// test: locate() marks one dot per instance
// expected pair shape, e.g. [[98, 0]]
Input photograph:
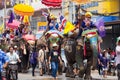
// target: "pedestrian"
[[13, 56], [118, 59], [3, 62], [54, 58], [33, 61], [105, 64], [41, 59], [99, 63]]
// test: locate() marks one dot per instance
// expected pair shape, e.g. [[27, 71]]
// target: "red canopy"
[[52, 3]]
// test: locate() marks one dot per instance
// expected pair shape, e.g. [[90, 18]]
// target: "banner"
[[1, 28], [100, 26], [41, 27]]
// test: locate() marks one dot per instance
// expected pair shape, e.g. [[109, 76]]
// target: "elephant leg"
[[94, 64], [72, 75], [79, 60], [67, 71], [88, 68], [60, 69], [81, 67]]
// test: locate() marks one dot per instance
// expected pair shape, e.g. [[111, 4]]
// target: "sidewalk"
[[96, 76]]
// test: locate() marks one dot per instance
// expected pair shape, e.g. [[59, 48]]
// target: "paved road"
[[28, 76]]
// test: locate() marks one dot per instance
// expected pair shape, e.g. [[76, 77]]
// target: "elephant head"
[[53, 37]]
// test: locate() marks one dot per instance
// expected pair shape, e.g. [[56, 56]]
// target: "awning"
[[52, 3]]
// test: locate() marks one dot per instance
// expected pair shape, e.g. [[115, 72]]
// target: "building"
[[109, 9]]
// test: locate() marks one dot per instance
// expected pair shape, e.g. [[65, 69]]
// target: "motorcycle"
[[12, 70]]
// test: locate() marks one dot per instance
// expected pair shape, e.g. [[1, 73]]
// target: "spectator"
[[99, 63], [54, 57], [33, 60], [41, 59], [105, 64], [12, 55], [118, 59], [3, 62]]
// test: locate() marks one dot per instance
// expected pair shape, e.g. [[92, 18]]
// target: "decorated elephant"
[[54, 36], [70, 44], [88, 51], [24, 49], [85, 48]]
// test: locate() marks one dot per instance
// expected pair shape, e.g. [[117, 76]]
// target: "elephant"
[[24, 50], [70, 51], [53, 36], [77, 51]]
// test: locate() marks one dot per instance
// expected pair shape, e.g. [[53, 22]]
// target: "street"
[[28, 76]]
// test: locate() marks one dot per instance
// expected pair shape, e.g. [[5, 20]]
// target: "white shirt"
[[117, 54], [41, 55], [13, 57]]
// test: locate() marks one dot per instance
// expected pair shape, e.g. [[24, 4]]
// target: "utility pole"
[[4, 20]]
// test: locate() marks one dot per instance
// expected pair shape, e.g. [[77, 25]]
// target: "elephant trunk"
[[94, 45]]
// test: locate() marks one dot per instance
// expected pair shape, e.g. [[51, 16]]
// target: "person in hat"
[[87, 23], [52, 23], [54, 59]]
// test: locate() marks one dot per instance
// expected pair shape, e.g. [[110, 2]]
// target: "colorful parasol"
[[22, 9], [13, 25], [52, 3], [29, 37]]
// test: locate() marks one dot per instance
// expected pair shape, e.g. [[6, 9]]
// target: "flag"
[[63, 22], [26, 19], [100, 26], [2, 28], [21, 18], [45, 14], [11, 17], [66, 25]]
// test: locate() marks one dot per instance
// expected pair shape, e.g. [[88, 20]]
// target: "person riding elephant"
[[86, 23]]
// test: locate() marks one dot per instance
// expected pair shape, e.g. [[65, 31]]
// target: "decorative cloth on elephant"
[[53, 34], [93, 37]]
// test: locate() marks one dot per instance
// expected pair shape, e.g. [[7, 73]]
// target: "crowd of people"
[[107, 59]]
